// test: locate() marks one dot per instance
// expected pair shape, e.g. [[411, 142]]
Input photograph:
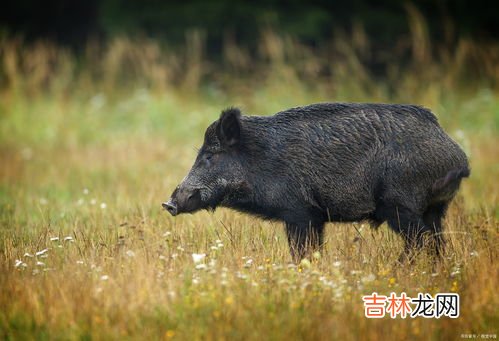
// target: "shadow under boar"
[[329, 162]]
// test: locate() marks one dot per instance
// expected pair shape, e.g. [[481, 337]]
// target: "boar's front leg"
[[304, 238]]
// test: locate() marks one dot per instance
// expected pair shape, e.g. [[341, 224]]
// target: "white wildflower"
[[368, 278], [54, 239], [241, 275], [130, 253], [201, 266], [198, 257], [104, 277], [103, 205], [40, 253]]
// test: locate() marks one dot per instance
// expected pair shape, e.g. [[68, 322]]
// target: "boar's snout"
[[170, 206], [183, 200]]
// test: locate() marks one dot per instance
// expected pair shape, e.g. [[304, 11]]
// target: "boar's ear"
[[229, 127]]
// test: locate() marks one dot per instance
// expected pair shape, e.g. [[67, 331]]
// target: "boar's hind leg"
[[433, 219], [304, 239], [411, 227]]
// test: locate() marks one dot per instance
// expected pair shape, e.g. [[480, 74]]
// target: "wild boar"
[[329, 162]]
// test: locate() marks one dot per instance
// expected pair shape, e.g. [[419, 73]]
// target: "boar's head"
[[217, 175]]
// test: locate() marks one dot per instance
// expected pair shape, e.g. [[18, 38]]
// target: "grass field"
[[87, 155]]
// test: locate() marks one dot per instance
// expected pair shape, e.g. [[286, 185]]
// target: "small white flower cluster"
[[93, 201], [198, 257], [248, 263], [20, 264], [456, 270], [218, 245], [66, 239]]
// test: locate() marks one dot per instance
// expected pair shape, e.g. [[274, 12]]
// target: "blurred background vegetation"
[[231, 34], [312, 22]]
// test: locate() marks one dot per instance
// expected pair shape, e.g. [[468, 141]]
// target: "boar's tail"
[[444, 188]]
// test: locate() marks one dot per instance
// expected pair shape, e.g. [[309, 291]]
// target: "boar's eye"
[[208, 158]]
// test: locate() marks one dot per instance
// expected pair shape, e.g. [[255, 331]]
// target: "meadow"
[[91, 144]]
